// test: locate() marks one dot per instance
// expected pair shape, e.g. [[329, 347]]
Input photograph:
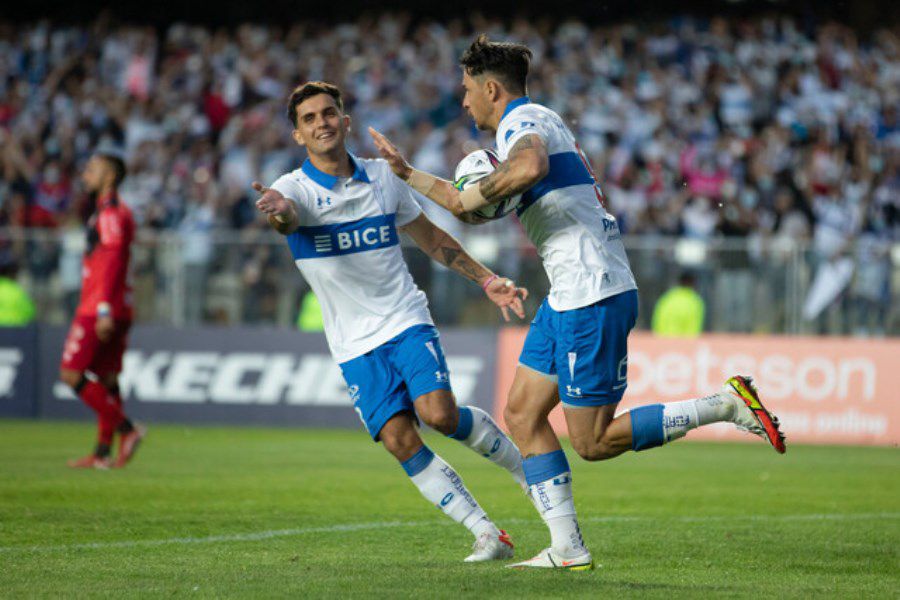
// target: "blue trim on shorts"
[[418, 462], [544, 466]]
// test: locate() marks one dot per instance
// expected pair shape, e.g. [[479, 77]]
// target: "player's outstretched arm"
[[528, 163], [445, 249], [281, 211], [440, 191]]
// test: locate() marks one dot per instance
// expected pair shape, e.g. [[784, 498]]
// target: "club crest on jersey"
[[516, 128]]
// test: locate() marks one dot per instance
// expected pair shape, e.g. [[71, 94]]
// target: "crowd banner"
[[248, 375], [18, 371], [825, 390]]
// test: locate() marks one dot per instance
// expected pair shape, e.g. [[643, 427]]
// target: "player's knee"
[[70, 378], [593, 450], [111, 382], [443, 418], [401, 446], [518, 420]]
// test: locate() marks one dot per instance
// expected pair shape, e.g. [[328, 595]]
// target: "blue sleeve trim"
[[464, 427], [566, 169], [647, 427], [418, 462], [544, 466]]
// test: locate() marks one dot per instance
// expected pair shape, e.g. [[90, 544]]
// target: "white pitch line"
[[279, 533]]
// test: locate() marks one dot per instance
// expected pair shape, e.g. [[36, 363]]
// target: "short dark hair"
[[308, 90], [506, 61], [687, 279], [118, 167]]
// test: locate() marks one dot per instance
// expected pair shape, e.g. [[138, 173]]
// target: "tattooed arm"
[[527, 164], [443, 247]]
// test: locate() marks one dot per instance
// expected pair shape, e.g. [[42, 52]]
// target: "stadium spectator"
[[16, 307], [680, 311], [310, 316], [677, 119]]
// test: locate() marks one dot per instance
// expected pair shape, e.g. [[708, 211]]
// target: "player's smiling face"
[[476, 100], [321, 125]]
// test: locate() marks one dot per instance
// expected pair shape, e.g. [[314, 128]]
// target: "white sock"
[[681, 417], [553, 499], [441, 486], [478, 431]]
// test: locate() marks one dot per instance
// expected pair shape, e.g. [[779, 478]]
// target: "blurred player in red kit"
[[92, 356]]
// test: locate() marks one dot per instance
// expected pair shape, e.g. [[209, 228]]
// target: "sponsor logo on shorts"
[[353, 390], [573, 392]]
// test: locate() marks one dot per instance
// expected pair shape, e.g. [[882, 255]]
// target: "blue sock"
[[544, 466], [464, 426], [647, 427], [417, 463]]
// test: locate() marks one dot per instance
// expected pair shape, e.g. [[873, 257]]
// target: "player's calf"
[[444, 488], [478, 431], [472, 427]]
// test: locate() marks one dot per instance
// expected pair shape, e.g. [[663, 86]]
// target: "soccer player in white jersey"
[[341, 215], [576, 349]]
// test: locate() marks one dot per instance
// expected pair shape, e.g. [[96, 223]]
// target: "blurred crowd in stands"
[[758, 129]]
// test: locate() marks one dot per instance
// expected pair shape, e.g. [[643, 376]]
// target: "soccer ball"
[[473, 168]]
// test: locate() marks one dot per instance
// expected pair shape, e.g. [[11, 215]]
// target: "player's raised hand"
[[504, 293], [389, 152], [281, 211], [271, 202]]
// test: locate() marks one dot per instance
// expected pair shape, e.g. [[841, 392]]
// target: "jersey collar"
[[326, 180], [105, 200], [515, 104]]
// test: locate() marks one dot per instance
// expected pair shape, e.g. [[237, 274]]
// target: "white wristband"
[[421, 181]]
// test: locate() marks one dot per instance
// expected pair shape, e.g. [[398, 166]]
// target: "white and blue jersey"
[[578, 241], [376, 320], [348, 249], [581, 330]]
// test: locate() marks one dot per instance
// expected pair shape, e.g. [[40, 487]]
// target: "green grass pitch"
[[227, 512]]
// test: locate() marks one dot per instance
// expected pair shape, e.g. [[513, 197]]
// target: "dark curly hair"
[[506, 61]]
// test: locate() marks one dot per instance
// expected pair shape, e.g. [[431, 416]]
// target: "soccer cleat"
[[128, 445], [91, 462], [490, 546], [548, 559], [751, 415]]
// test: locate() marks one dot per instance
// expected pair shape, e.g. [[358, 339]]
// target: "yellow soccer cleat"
[[754, 417]]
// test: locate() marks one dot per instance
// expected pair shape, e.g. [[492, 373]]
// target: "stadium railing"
[[229, 277]]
